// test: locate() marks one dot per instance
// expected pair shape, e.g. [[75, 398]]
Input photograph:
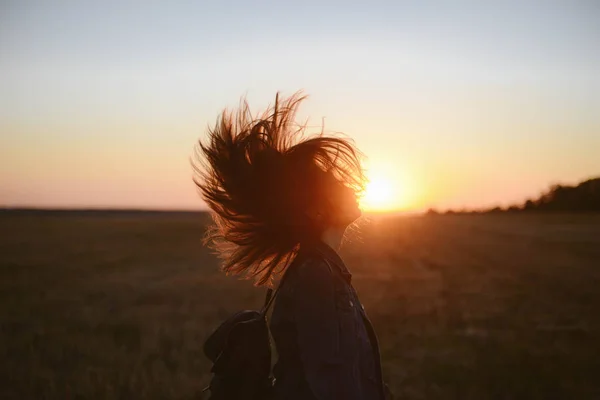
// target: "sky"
[[454, 103]]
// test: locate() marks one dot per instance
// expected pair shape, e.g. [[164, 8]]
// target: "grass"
[[466, 307]]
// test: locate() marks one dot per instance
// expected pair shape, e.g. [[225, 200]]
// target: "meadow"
[[117, 305]]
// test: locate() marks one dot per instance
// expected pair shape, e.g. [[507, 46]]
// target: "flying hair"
[[259, 176]]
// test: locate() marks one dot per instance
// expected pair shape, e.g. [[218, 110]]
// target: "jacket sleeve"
[[328, 377]]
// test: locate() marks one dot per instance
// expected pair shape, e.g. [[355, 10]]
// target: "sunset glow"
[[455, 107], [385, 190], [379, 195]]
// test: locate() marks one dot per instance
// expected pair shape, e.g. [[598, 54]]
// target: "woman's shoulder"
[[310, 273], [312, 266]]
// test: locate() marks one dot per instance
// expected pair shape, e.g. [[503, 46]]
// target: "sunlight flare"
[[385, 191]]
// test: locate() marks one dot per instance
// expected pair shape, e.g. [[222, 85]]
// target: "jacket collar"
[[325, 251]]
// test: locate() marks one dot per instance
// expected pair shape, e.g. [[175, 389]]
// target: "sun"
[[384, 192], [378, 193]]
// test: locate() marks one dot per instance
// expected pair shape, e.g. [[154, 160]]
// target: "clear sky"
[[455, 103]]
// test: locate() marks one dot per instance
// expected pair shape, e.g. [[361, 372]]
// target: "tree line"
[[584, 197]]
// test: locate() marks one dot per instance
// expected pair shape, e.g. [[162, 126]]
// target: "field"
[[466, 307]]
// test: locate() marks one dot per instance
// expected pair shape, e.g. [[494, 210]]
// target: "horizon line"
[[163, 210]]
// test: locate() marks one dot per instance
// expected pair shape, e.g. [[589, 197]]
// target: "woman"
[[281, 204]]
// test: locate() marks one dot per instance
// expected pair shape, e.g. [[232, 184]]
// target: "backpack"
[[240, 350]]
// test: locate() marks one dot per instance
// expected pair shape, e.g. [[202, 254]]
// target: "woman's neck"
[[333, 237]]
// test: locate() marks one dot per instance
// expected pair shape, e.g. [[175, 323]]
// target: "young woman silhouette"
[[281, 203]]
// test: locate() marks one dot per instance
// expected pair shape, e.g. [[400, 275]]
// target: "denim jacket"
[[326, 345]]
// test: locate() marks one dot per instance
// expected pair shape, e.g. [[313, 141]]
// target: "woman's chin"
[[352, 215]]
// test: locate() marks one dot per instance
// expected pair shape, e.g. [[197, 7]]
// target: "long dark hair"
[[260, 176]]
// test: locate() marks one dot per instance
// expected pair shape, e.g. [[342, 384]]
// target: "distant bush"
[[585, 197], [529, 205]]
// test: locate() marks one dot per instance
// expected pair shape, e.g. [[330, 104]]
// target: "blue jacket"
[[326, 345]]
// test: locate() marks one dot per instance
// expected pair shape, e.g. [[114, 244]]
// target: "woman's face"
[[349, 210], [342, 207]]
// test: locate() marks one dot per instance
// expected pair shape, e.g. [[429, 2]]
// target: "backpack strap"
[[268, 300], [272, 294], [270, 297]]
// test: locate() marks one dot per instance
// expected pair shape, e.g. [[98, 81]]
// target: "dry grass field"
[[466, 307]]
